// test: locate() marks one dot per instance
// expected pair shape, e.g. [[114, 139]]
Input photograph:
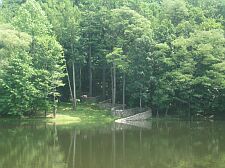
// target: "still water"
[[162, 144]]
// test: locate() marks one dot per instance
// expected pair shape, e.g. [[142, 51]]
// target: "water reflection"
[[167, 144]]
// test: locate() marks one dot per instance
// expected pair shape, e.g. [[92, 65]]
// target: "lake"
[[161, 144]]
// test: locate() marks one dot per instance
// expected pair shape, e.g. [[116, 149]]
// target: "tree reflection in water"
[[169, 144]]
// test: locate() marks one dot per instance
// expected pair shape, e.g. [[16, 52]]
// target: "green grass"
[[84, 114]]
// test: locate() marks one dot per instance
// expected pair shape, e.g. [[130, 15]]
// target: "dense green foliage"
[[32, 62], [171, 53]]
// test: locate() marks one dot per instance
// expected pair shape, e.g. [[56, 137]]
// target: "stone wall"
[[107, 106], [90, 99], [128, 112], [135, 113], [140, 116]]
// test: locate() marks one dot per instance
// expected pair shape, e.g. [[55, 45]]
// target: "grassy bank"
[[85, 114]]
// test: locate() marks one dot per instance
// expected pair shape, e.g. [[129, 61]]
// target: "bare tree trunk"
[[80, 82], [167, 109], [54, 105], [104, 82], [189, 108], [90, 73], [74, 88], [124, 83], [189, 111], [69, 82], [140, 100], [114, 84]]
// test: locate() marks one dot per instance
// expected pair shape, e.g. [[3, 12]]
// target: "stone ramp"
[[130, 117], [137, 117], [128, 112], [137, 120]]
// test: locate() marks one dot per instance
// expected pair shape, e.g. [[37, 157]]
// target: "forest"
[[165, 54]]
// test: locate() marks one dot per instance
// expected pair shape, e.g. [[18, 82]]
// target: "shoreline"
[[84, 114]]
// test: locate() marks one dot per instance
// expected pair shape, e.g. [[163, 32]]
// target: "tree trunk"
[[54, 105], [104, 83], [124, 83], [189, 107], [189, 111], [69, 82], [114, 85], [167, 109], [74, 88], [140, 100], [80, 85], [157, 114], [90, 72]]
